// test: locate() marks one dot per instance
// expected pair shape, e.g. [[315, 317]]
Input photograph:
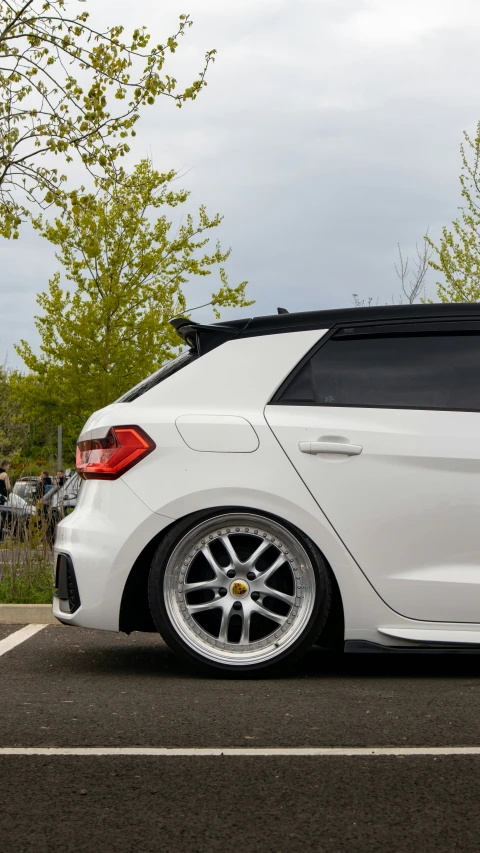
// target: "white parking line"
[[18, 637], [258, 752]]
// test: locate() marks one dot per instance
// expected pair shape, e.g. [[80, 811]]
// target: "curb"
[[27, 614]]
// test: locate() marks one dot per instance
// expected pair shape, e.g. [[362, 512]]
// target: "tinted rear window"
[[164, 372], [435, 371]]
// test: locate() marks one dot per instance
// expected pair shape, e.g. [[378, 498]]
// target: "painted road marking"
[[19, 637], [247, 751]]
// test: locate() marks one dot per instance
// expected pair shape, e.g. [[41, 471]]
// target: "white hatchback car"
[[289, 480]]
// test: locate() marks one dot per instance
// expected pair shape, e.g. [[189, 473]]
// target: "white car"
[[289, 480], [19, 505], [15, 514], [63, 499]]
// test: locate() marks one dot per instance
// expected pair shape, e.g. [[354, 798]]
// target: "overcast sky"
[[329, 132]]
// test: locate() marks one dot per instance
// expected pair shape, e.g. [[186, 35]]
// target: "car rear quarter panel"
[[237, 380]]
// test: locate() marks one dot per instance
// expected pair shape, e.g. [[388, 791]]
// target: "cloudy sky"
[[329, 132]]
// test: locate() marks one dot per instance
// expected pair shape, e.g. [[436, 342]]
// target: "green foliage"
[[459, 250], [110, 329], [27, 436], [26, 568], [68, 89], [26, 572], [28, 582], [13, 430]]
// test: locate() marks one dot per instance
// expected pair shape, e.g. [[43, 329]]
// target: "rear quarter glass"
[[168, 369]]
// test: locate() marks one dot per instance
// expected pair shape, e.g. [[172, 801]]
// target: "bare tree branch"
[[413, 282]]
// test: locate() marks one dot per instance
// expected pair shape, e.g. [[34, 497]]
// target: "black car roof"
[[203, 338]]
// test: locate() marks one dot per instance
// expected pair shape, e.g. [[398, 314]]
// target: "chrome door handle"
[[340, 447]]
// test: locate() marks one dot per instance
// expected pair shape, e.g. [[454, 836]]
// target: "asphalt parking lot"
[[72, 688]]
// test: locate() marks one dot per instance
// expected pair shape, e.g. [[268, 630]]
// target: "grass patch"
[[26, 571], [30, 582]]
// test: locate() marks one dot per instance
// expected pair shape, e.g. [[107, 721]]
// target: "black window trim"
[[360, 329], [159, 376]]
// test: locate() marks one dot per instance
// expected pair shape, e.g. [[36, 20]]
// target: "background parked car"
[[60, 500], [56, 503], [15, 514], [26, 488]]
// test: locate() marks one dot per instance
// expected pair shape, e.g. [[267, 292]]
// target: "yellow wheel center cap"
[[239, 589]]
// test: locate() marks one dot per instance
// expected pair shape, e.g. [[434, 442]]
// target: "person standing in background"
[[44, 485], [60, 478], [5, 486]]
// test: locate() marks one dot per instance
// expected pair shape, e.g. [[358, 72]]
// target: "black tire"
[[162, 617]]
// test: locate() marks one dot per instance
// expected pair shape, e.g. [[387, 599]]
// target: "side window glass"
[[301, 390], [412, 371]]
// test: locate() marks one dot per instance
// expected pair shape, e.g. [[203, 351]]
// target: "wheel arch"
[[135, 611]]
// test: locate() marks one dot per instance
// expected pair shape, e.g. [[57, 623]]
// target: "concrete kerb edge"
[[27, 614]]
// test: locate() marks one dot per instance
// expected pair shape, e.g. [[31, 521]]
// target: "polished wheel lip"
[[290, 627]]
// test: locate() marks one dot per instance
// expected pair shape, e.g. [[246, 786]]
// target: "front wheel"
[[238, 591]]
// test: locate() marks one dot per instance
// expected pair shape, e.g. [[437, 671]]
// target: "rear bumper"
[[100, 542]]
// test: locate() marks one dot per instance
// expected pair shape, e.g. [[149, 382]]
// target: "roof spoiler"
[[205, 338]]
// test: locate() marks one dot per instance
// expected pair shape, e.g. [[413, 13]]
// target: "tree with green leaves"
[[13, 428], [127, 266], [458, 255], [70, 90]]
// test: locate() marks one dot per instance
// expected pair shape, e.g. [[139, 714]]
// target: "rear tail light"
[[108, 458]]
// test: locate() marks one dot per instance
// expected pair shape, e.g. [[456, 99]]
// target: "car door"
[[382, 424]]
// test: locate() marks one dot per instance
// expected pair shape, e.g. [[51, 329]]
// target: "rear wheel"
[[238, 591]]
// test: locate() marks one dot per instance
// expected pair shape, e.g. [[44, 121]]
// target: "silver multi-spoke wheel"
[[239, 589]]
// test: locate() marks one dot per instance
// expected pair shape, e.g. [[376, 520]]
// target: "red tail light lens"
[[108, 458]]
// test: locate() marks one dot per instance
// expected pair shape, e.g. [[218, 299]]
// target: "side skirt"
[[365, 647]]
